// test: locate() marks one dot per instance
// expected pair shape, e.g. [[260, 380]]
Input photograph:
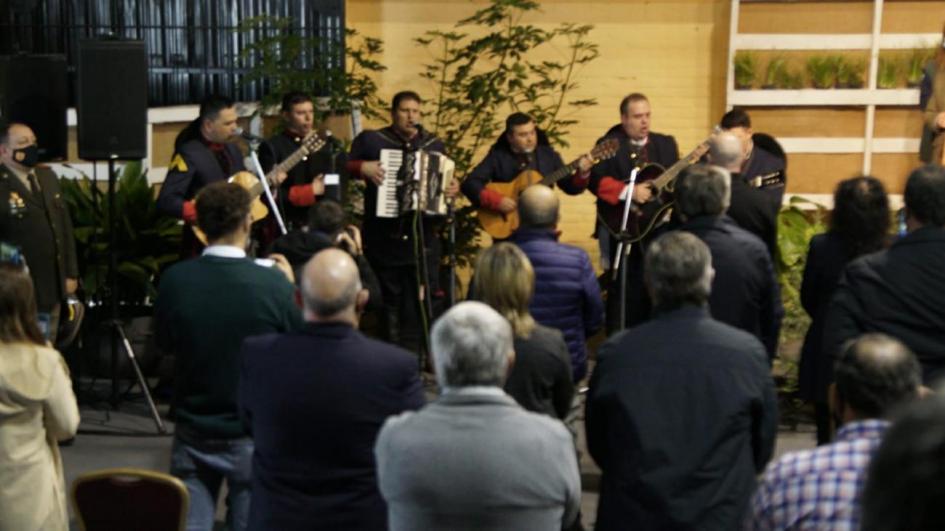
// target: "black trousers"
[[404, 318]]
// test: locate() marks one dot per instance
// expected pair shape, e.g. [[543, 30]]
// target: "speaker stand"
[[114, 324]]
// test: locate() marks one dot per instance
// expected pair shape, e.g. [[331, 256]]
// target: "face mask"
[[27, 156]]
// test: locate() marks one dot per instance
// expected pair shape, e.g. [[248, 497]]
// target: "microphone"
[[246, 135]]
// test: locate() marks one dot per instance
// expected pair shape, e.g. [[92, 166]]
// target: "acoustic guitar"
[[248, 180], [500, 225], [643, 218]]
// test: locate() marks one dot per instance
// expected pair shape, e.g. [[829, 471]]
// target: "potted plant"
[[746, 64], [850, 73], [775, 73], [146, 242], [915, 66], [887, 73], [823, 71]]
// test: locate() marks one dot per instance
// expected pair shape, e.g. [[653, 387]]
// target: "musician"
[[305, 183], [521, 147], [204, 153], [638, 147], [761, 168], [389, 243]]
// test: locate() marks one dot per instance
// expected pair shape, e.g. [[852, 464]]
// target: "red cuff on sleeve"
[[301, 195], [490, 199], [354, 167], [189, 212], [609, 190]]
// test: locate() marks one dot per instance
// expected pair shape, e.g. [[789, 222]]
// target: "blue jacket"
[[567, 296]]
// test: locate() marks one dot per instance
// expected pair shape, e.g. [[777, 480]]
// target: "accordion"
[[413, 181]]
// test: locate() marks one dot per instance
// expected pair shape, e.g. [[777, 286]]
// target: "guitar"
[[643, 218], [248, 180], [500, 225]]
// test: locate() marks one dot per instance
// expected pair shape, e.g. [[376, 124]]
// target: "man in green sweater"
[[205, 308]]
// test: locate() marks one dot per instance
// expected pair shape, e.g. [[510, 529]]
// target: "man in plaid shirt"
[[820, 488]]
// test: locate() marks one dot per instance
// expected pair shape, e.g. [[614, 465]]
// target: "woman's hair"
[[18, 318], [504, 279], [861, 214]]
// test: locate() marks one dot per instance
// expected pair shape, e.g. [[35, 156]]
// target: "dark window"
[[192, 45]]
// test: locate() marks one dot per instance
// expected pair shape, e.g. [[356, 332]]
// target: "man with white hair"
[[474, 459], [314, 402], [754, 209], [681, 412], [745, 292]]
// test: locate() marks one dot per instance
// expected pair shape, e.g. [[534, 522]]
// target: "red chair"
[[130, 498]]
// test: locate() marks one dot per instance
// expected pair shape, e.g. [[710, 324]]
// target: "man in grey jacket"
[[474, 459]]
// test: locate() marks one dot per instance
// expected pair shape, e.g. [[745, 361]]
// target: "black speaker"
[[33, 91], [112, 100]]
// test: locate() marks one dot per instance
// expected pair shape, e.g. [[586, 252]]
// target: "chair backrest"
[[130, 498]]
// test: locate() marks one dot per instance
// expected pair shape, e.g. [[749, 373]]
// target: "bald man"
[[567, 296], [754, 209], [314, 402]]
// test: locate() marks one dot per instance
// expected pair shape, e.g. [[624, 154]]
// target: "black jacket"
[[660, 149], [899, 292], [767, 172], [540, 379], [194, 166], [331, 158], [681, 416], [314, 402], [745, 292], [41, 226], [825, 262], [756, 211], [502, 165], [391, 241]]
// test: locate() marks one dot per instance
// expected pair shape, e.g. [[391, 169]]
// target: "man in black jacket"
[[760, 168], [682, 411], [753, 209], [34, 216], [306, 182], [900, 291], [745, 292], [521, 147], [639, 146], [391, 244]]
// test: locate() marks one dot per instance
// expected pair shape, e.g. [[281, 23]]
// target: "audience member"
[[904, 488], [314, 401], [540, 379], [205, 308], [752, 208], [567, 295], [474, 459], [681, 412], [763, 166], [859, 225], [820, 488], [900, 291], [328, 227], [745, 292], [37, 409]]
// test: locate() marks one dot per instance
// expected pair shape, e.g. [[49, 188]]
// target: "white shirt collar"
[[224, 251], [641, 142]]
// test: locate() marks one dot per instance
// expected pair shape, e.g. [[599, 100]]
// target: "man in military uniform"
[[389, 243], [306, 182], [204, 153], [34, 216]]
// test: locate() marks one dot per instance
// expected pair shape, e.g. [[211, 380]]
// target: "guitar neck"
[[670, 174], [560, 173]]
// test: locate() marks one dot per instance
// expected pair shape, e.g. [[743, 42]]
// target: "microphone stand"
[[623, 250], [257, 169]]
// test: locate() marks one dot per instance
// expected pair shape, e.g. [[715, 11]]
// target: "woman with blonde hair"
[[540, 379], [37, 409]]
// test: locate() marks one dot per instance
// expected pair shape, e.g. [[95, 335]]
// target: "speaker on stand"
[[112, 113]]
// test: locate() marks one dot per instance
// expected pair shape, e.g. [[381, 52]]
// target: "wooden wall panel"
[[808, 121], [814, 173], [806, 17], [913, 17], [893, 168], [904, 122]]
